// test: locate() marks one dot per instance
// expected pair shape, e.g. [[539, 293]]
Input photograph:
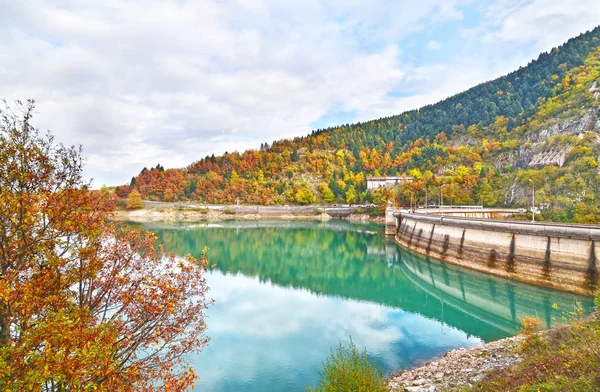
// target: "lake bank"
[[459, 367], [174, 213], [563, 358]]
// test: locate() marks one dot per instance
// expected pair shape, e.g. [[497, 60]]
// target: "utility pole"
[[532, 201], [426, 199], [442, 195]]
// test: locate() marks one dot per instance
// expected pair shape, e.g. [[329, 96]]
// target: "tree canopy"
[[84, 305]]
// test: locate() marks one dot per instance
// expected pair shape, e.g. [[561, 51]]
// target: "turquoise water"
[[287, 292]]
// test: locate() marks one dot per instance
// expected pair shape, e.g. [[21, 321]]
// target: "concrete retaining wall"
[[554, 255]]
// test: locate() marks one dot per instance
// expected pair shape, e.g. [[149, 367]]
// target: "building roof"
[[390, 178]]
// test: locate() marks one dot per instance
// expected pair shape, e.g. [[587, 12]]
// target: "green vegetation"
[[348, 370], [477, 144], [566, 358]]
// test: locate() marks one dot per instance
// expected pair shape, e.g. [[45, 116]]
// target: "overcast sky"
[[141, 82]]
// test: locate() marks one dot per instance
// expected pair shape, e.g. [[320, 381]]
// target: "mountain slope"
[[479, 142]]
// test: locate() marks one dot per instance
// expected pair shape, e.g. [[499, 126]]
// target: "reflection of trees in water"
[[342, 261], [494, 301]]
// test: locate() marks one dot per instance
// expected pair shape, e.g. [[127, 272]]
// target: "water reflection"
[[287, 292]]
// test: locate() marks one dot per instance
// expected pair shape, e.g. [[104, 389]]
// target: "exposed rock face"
[[458, 367], [573, 126], [557, 155]]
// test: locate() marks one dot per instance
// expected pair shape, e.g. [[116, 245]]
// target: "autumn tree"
[[326, 193], [134, 200], [304, 196], [351, 195], [487, 196], [84, 306]]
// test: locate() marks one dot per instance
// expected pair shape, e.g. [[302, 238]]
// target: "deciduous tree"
[[134, 200], [84, 306]]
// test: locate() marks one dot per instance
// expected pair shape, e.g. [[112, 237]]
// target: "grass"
[[348, 370], [564, 358]]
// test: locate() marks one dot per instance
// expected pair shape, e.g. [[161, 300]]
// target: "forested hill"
[[482, 143], [514, 96]]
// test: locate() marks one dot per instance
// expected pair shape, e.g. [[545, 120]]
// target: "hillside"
[[538, 123]]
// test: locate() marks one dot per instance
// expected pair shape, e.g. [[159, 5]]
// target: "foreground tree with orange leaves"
[[84, 306]]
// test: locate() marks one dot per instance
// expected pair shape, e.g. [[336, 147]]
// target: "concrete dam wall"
[[554, 255]]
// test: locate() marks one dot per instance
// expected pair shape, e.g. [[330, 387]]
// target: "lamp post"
[[425, 198], [442, 196], [532, 200]]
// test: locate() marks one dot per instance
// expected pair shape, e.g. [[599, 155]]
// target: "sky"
[[142, 82]]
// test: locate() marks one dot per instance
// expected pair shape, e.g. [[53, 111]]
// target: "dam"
[[561, 256]]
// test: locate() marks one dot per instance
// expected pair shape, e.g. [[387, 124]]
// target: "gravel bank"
[[458, 367]]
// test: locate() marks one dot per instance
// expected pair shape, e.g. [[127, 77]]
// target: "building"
[[386, 182]]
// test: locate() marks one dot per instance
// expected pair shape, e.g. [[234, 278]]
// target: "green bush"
[[348, 370]]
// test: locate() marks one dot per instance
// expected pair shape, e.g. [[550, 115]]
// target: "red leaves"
[[83, 305]]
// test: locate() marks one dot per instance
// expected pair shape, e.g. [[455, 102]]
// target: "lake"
[[288, 292]]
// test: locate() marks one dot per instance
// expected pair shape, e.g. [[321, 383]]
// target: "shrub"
[[531, 325], [349, 370]]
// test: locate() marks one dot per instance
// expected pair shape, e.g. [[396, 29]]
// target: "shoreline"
[[171, 214], [451, 370], [458, 367]]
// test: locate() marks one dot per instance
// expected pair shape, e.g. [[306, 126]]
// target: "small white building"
[[386, 182]]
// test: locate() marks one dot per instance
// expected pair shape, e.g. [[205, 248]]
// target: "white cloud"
[[547, 23], [138, 83], [433, 45], [258, 327]]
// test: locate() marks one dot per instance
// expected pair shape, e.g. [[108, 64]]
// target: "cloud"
[[261, 332], [433, 45], [140, 83], [546, 23]]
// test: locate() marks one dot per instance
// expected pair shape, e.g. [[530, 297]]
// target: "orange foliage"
[[82, 304]]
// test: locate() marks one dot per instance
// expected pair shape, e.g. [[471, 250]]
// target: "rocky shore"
[[457, 368]]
